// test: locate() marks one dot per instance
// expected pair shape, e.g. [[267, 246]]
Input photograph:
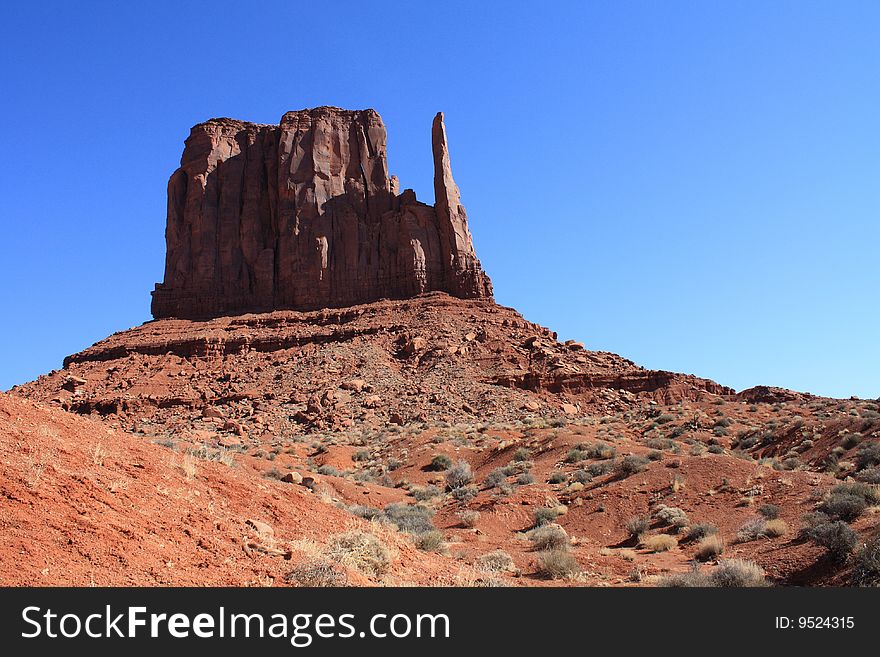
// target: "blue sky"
[[691, 185]]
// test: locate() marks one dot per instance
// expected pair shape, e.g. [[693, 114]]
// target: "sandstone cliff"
[[304, 215]]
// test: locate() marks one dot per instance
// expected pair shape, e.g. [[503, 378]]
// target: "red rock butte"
[[304, 215]]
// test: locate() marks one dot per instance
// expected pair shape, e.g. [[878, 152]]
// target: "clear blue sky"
[[693, 185]]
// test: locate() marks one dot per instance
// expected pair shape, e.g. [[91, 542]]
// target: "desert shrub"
[[737, 573], [637, 525], [582, 476], [317, 573], [659, 543], [775, 528], [868, 455], [869, 493], [410, 518], [600, 450], [468, 517], [329, 471], [459, 475], [716, 449], [545, 515], [843, 506], [361, 551], [557, 478], [440, 462], [869, 476], [866, 569], [557, 564], [549, 537], [497, 561], [660, 443], [836, 537], [752, 530], [365, 512], [655, 455], [430, 541], [426, 493], [464, 493], [769, 511], [692, 579], [600, 468], [673, 516], [522, 454], [701, 530], [495, 478], [361, 455], [525, 479], [630, 465], [709, 547], [575, 455], [663, 419]]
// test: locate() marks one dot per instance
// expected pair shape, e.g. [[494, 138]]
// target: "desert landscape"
[[330, 396]]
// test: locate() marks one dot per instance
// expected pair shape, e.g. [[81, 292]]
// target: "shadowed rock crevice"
[[304, 215]]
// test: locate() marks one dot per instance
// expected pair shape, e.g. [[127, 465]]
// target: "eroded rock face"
[[304, 215]]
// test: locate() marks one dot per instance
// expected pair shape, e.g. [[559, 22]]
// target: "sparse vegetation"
[[362, 551], [738, 573], [430, 541], [497, 561], [866, 570], [557, 564], [440, 463], [549, 537], [317, 573], [709, 547], [701, 530], [459, 475], [545, 515], [410, 518], [630, 465], [637, 525], [468, 518], [659, 543], [836, 537]]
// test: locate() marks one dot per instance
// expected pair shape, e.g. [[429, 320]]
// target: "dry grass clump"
[[637, 526], [549, 537], [730, 573], [709, 547], [660, 543], [737, 573], [497, 561], [557, 564], [362, 551], [317, 573], [430, 541], [468, 518], [775, 528]]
